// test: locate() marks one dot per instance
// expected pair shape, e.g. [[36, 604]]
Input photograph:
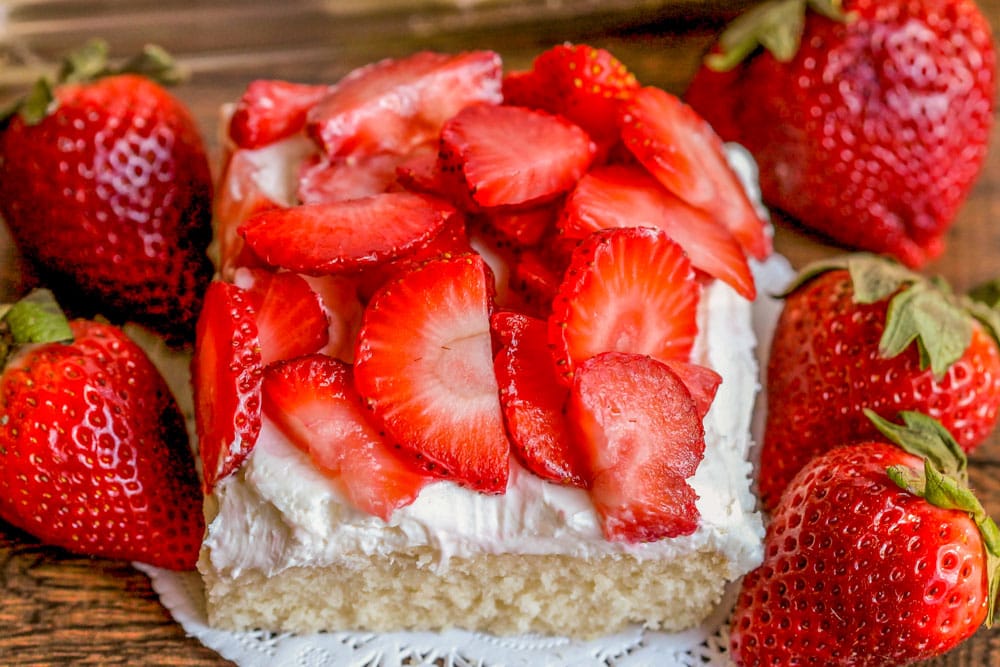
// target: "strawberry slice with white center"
[[641, 435], [627, 289], [291, 321], [323, 180], [424, 363], [271, 110], [346, 236], [534, 402], [395, 105], [226, 371], [512, 156], [627, 196], [313, 401], [680, 149]]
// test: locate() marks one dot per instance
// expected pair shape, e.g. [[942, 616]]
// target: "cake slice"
[[472, 361]]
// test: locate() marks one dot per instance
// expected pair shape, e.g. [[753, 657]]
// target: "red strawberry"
[[424, 364], [347, 235], [625, 196], [682, 151], [627, 289], [271, 110], [226, 375], [94, 455], [874, 557], [482, 153], [107, 187], [533, 400], [313, 400], [863, 332], [396, 105], [584, 84], [870, 130], [291, 321], [642, 438], [701, 382]]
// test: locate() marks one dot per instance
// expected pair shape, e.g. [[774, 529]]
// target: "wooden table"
[[61, 609]]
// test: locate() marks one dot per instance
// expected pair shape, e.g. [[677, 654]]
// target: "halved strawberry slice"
[[291, 322], [452, 240], [627, 289], [627, 196], [323, 180], [226, 374], [533, 400], [701, 381], [524, 227], [682, 151], [313, 401], [424, 363], [346, 236], [395, 105], [512, 156], [270, 110], [642, 438]]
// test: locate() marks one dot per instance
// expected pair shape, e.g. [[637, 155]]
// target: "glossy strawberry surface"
[[94, 455]]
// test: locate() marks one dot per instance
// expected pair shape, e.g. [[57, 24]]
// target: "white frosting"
[[279, 511]]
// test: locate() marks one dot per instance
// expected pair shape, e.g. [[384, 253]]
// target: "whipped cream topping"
[[279, 511]]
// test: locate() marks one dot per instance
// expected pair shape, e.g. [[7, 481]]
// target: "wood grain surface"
[[57, 608]]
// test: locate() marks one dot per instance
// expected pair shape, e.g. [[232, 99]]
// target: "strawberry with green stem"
[[878, 555], [94, 454], [105, 185], [862, 331]]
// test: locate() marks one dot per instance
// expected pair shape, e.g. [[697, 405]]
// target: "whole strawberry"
[[94, 454], [105, 185], [870, 122], [860, 332], [876, 557]]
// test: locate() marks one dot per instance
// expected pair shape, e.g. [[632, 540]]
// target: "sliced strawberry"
[[271, 110], [395, 105], [521, 88], [533, 400], [226, 374], [483, 153], [314, 402], [586, 85], [525, 227], [682, 151], [627, 289], [419, 173], [701, 381], [642, 438], [338, 295], [535, 281], [291, 321], [424, 363], [627, 196], [324, 180], [452, 240], [346, 236]]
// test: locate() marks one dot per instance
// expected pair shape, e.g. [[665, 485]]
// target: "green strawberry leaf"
[[927, 438], [775, 26], [37, 318], [925, 314], [87, 63], [38, 103], [154, 62], [943, 482]]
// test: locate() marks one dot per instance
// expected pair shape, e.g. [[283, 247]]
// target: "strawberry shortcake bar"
[[478, 354]]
